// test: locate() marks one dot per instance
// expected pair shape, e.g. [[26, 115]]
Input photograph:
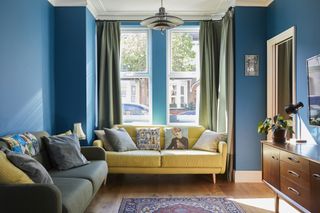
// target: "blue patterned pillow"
[[23, 143], [148, 138]]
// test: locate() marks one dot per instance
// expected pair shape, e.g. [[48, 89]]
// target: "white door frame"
[[272, 70]]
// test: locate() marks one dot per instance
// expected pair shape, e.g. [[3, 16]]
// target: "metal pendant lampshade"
[[162, 21]]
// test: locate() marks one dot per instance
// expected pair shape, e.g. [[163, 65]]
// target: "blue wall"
[[70, 67], [74, 69], [305, 16], [91, 73], [26, 66], [159, 77], [250, 92]]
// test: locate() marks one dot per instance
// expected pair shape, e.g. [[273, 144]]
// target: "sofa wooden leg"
[[214, 180]]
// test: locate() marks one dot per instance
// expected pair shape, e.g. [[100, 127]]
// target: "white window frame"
[[170, 74], [140, 74]]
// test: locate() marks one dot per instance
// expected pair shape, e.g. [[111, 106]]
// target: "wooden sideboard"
[[292, 171]]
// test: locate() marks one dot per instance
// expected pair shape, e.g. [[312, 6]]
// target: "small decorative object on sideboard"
[[279, 127]]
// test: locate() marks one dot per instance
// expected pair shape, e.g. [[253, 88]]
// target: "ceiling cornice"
[[68, 3], [139, 15], [252, 3]]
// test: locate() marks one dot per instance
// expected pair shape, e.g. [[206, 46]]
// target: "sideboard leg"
[[277, 204]]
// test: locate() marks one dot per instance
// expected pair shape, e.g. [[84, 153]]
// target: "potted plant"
[[279, 127]]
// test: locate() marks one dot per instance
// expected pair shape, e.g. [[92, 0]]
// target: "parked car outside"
[[135, 113]]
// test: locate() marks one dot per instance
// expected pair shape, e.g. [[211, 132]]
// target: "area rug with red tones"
[[179, 205]]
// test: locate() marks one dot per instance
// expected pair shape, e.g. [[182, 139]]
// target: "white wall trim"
[[100, 13], [253, 3], [92, 9], [247, 176], [139, 17], [68, 3]]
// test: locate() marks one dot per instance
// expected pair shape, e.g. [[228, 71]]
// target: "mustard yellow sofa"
[[167, 161]]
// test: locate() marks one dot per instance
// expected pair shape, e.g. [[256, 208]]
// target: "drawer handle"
[[293, 173], [316, 176], [294, 160], [273, 157], [294, 190]]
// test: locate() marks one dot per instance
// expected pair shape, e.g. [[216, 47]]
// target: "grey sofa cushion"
[[120, 140], [76, 193], [64, 151], [95, 172], [30, 166], [102, 136]]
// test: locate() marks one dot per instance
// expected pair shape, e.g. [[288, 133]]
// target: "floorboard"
[[252, 197]]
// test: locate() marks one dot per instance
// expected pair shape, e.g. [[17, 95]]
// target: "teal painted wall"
[[305, 16], [91, 74], [75, 70], [159, 77], [250, 92], [26, 66]]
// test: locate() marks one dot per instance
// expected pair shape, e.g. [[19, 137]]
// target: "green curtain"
[[109, 97], [210, 37], [217, 80]]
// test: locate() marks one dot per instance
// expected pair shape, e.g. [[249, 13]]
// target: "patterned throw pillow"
[[148, 138], [176, 138], [23, 143], [209, 141]]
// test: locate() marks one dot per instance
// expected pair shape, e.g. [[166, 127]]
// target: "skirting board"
[[247, 176]]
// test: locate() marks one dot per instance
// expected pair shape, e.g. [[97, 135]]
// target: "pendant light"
[[161, 20]]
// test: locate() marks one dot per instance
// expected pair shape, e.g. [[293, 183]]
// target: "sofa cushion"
[[95, 172], [10, 174], [30, 166], [176, 138], [136, 158], [209, 141], [76, 193], [64, 151], [190, 159], [120, 140], [194, 133], [101, 135], [148, 138]]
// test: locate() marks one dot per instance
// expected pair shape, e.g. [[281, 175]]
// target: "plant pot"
[[279, 135]]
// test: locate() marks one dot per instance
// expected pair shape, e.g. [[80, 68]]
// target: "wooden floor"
[[252, 197]]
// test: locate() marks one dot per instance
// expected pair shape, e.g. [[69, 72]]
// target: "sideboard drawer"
[[315, 186], [295, 175], [295, 192], [271, 166], [299, 162]]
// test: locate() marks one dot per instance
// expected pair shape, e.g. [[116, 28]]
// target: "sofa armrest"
[[223, 149], [36, 198], [93, 153], [98, 143]]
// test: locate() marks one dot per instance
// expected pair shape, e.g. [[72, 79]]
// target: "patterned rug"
[[179, 205]]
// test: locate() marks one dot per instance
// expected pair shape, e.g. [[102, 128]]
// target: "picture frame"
[[251, 65]]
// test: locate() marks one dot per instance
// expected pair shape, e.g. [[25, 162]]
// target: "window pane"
[[133, 47], [184, 102], [184, 51], [135, 100]]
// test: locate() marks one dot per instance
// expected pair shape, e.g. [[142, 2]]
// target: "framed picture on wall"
[[251, 65]]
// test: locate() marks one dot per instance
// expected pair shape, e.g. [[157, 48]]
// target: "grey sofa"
[[72, 191]]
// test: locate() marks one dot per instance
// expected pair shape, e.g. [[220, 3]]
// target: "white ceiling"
[[139, 9]]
